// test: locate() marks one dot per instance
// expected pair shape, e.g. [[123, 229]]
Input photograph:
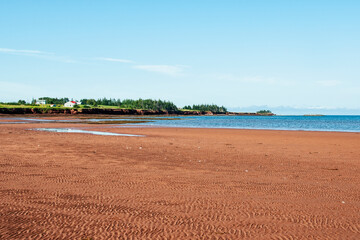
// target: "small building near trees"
[[71, 104]]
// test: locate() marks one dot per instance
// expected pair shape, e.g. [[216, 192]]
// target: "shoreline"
[[91, 126], [118, 111]]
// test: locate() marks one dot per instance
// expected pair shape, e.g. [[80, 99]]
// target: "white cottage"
[[71, 104]]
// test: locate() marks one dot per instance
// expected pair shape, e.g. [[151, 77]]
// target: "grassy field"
[[47, 106], [28, 106]]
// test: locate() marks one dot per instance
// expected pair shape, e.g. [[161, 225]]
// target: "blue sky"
[[294, 54]]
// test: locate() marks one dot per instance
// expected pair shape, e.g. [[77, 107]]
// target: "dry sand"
[[178, 184]]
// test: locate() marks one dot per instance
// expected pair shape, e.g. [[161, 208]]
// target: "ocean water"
[[337, 123]]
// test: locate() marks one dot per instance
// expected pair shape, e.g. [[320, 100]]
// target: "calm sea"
[[306, 123], [337, 123]]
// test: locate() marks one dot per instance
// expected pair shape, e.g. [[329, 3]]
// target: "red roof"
[[73, 101]]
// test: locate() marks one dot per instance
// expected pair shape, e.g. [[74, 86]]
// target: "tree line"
[[101, 101], [207, 107], [50, 100], [264, 112], [145, 104], [150, 104]]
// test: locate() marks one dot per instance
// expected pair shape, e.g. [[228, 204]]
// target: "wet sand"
[[178, 184]]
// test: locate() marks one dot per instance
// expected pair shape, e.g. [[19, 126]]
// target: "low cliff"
[[105, 111], [114, 111]]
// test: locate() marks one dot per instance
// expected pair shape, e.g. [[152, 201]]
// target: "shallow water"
[[336, 123], [70, 130], [305, 123]]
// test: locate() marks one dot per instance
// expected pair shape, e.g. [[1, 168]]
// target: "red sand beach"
[[178, 184]]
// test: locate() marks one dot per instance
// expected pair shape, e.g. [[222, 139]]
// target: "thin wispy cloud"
[[17, 51], [163, 69], [115, 60], [172, 70], [39, 54]]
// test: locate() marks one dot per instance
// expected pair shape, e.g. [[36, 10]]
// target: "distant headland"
[[48, 105]]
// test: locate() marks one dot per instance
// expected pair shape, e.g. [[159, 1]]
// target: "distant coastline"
[[117, 111], [109, 106]]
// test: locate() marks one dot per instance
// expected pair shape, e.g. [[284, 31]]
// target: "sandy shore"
[[178, 184]]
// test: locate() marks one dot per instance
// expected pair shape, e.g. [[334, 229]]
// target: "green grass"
[[23, 106], [44, 106], [61, 107], [41, 107], [110, 107]]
